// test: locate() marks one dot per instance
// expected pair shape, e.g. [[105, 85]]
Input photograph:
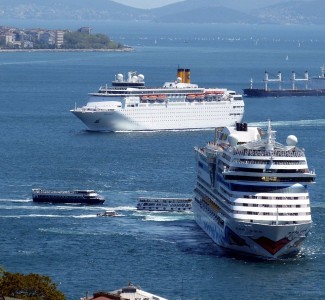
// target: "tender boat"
[[107, 213], [89, 197]]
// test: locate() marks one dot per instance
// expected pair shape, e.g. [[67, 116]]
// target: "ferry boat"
[[165, 204], [314, 86], [128, 105], [88, 197], [251, 192]]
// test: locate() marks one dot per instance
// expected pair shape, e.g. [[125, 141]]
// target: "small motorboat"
[[107, 213]]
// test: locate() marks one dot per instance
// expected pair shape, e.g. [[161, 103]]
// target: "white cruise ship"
[[128, 105], [251, 192]]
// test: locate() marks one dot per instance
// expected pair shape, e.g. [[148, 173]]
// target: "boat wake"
[[302, 123], [161, 218], [15, 200]]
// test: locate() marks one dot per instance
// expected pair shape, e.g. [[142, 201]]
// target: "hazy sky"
[[146, 3]]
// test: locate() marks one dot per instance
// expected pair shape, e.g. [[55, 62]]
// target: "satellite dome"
[[292, 140], [134, 78], [141, 77], [119, 77], [233, 140], [179, 79]]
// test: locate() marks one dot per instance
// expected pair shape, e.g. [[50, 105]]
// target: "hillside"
[[188, 11]]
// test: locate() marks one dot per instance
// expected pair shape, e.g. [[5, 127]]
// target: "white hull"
[[270, 242], [171, 116]]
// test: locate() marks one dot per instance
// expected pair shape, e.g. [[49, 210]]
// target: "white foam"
[[317, 122], [84, 216]]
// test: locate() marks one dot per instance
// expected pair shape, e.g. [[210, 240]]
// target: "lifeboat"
[[214, 93], [152, 97], [161, 97], [212, 96], [144, 98], [190, 97], [200, 97]]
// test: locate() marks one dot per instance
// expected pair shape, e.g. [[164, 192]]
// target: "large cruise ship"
[[128, 105], [251, 192]]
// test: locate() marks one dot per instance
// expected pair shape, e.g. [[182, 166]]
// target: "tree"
[[82, 40], [28, 287]]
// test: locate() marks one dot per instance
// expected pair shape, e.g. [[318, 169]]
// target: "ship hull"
[[257, 240], [283, 93], [68, 200], [184, 116]]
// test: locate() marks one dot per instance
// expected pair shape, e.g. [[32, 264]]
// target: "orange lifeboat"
[[152, 98], [200, 97], [161, 97], [190, 97], [144, 98]]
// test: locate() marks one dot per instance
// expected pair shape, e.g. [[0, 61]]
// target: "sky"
[[146, 3]]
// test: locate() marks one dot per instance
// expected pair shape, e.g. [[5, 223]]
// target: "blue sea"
[[44, 145]]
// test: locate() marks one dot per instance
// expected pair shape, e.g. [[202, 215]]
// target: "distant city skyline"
[[146, 3]]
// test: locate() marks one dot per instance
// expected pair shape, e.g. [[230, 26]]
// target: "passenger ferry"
[[165, 204], [128, 105], [251, 192], [69, 197]]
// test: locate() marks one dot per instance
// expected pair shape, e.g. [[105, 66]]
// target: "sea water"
[[44, 145]]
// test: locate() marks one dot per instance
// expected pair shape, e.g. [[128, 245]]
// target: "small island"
[[12, 38]]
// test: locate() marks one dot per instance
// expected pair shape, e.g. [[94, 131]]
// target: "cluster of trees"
[[28, 287], [82, 40]]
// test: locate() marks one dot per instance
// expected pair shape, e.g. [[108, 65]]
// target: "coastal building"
[[48, 37], [59, 38], [85, 30], [129, 292], [6, 39]]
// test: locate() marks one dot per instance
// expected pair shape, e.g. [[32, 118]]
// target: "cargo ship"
[[314, 86]]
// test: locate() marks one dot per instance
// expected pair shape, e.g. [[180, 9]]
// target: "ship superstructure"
[[251, 192]]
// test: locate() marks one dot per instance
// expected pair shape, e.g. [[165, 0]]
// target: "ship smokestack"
[[181, 74], [187, 76]]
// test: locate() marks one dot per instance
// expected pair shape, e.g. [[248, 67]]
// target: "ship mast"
[[277, 79], [270, 138], [294, 79]]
